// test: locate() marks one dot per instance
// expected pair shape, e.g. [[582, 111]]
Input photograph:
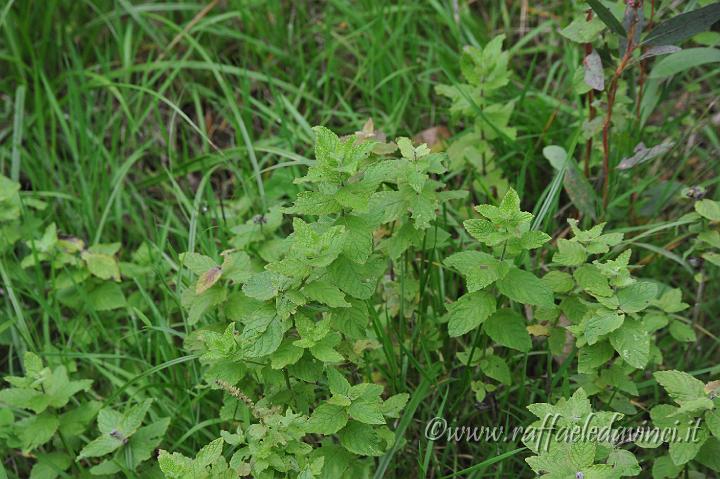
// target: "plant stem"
[[612, 91]]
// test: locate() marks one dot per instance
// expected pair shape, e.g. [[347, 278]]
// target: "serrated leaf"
[[525, 288], [367, 411], [680, 385], [507, 328], [632, 343], [637, 297], [360, 439], [327, 419], [100, 446], [325, 293], [469, 312], [569, 253], [601, 322], [479, 269], [102, 265]]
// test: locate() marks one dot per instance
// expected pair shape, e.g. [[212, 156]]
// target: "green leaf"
[[367, 410], [682, 332], [285, 355], [34, 431], [559, 281], [607, 17], [262, 339], [508, 328], [479, 269], [680, 385], [357, 280], [591, 357], [360, 439], [197, 263], [570, 253], [102, 265], [708, 209], [601, 322], [684, 60], [325, 293], [393, 406], [582, 31], [683, 26], [49, 465], [106, 297], [314, 203], [469, 312], [261, 286], [592, 280], [496, 368], [637, 297], [525, 288], [100, 446], [209, 453], [632, 343]]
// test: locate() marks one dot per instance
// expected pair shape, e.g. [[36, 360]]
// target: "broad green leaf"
[[637, 297], [632, 343], [508, 328], [525, 288], [469, 312], [314, 203], [102, 265], [496, 368], [325, 293], [708, 209], [601, 322], [479, 269], [360, 439], [106, 297], [591, 357], [559, 281], [680, 385], [357, 280], [209, 453], [34, 431], [570, 253], [394, 405], [582, 31], [197, 263], [682, 332], [367, 410], [592, 280]]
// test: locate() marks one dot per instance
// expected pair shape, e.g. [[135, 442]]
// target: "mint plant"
[[488, 116], [494, 282], [123, 435], [44, 413], [295, 313], [696, 419], [561, 450]]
